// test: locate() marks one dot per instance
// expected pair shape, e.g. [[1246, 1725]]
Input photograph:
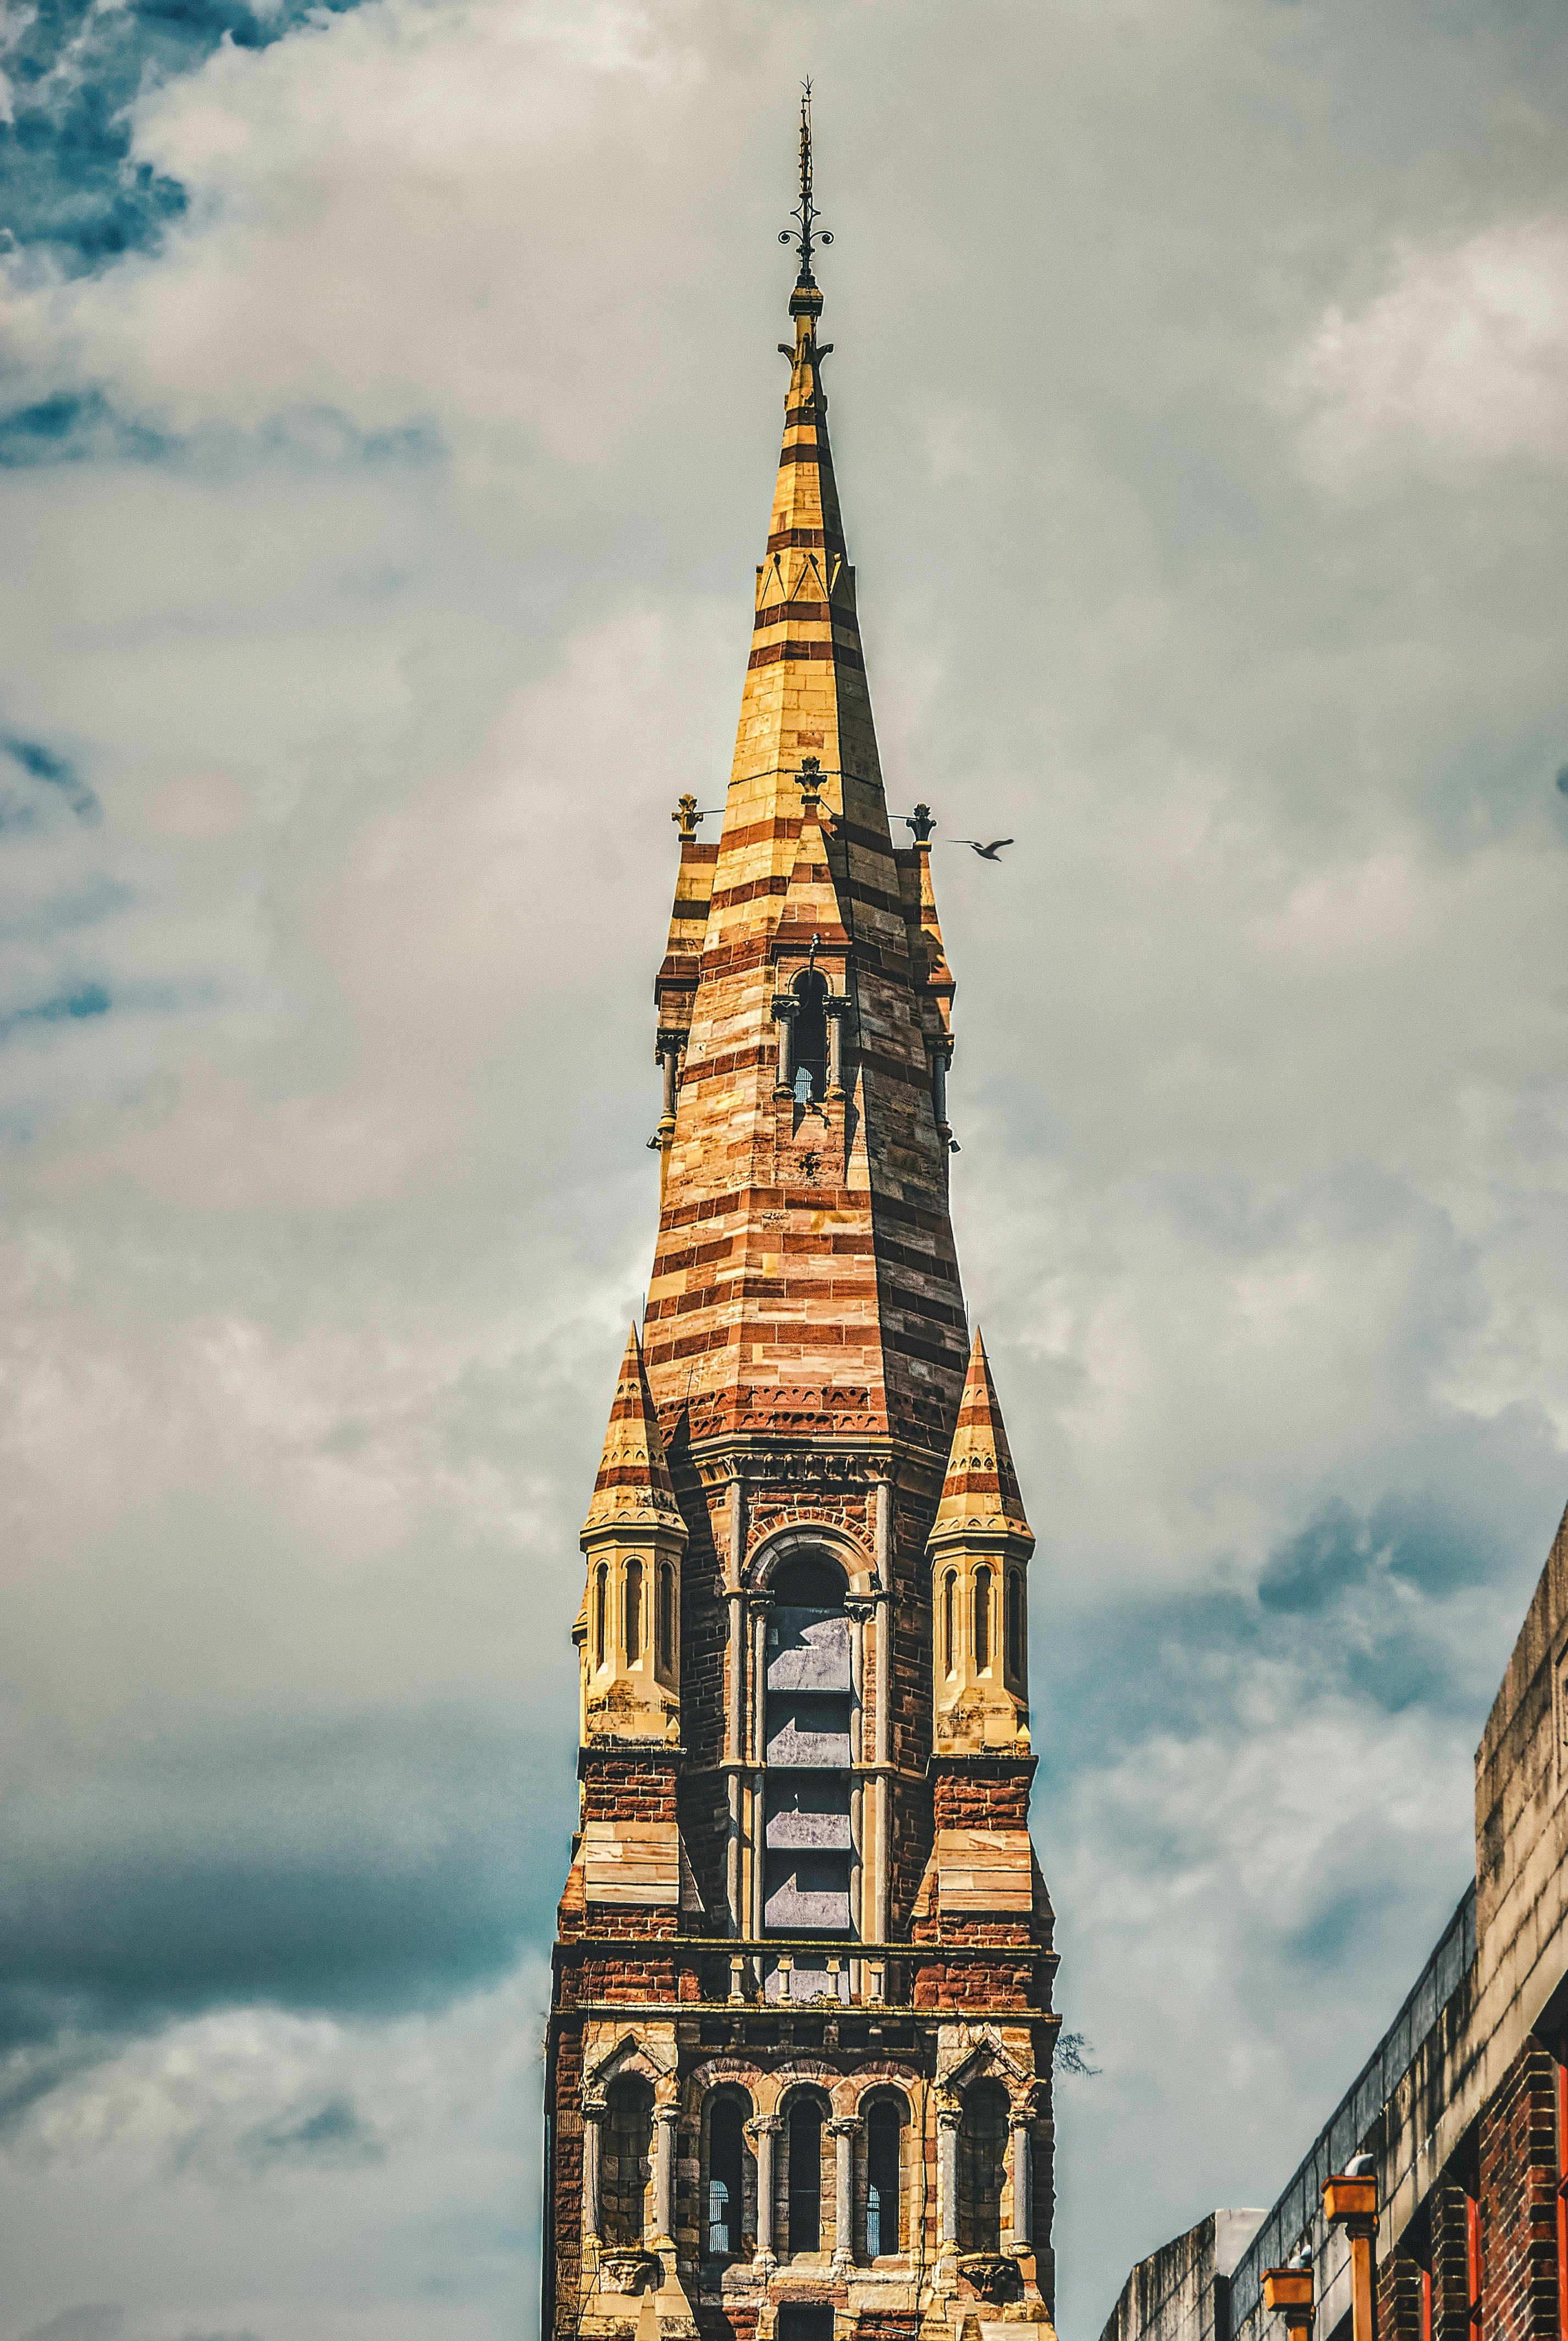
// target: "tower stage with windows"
[[800, 2049]]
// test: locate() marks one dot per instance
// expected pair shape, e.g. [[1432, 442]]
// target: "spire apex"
[[806, 234]]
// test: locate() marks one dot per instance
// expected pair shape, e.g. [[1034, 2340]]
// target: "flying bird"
[[986, 852]]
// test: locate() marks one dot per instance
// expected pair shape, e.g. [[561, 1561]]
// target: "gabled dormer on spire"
[[633, 1537], [980, 1546]]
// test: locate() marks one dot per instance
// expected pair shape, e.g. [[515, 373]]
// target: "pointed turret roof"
[[634, 1489], [981, 1488]]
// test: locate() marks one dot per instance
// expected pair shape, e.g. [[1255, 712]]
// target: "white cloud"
[[318, 1247], [1461, 361]]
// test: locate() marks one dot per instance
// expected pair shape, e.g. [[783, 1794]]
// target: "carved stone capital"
[[765, 2125], [628, 2268], [843, 2126]]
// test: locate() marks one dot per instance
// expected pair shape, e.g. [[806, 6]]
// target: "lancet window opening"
[[1013, 1658], [664, 1623], [982, 2167], [802, 2143], [949, 1620], [982, 1620], [810, 1052], [633, 1607], [627, 2164], [724, 2204], [601, 1613], [885, 2122]]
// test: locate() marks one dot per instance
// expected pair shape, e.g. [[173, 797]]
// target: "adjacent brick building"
[[1464, 2104], [799, 2066]]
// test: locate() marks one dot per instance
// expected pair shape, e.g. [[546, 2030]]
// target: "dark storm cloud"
[[368, 1869], [74, 68]]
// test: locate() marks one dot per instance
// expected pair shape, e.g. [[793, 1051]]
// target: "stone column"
[[837, 1008], [735, 1738], [762, 2129], [786, 1008], [948, 2117], [1021, 2122], [592, 2116], [844, 2130], [861, 1816], [882, 1880], [761, 1610], [664, 2120]]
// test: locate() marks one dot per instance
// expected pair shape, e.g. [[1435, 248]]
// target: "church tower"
[[799, 2069]]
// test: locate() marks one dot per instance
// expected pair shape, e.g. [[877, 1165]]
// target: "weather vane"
[[807, 232]]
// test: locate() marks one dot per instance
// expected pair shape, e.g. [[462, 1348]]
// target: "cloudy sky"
[[387, 419]]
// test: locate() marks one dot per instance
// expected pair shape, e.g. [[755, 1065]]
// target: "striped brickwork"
[[803, 1397]]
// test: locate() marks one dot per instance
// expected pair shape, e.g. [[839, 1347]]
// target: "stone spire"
[[980, 1492], [806, 1277], [980, 1546], [634, 1490], [629, 1627]]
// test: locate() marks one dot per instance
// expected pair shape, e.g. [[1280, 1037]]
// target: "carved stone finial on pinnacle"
[[686, 817], [921, 820], [809, 780]]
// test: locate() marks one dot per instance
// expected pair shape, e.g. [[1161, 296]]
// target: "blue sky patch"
[[88, 1000], [55, 771], [74, 427], [72, 190]]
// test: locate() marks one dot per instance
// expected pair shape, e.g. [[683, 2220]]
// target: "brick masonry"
[[804, 1384]]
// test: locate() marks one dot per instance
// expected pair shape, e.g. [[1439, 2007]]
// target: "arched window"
[[883, 2177], [601, 1611], [666, 1619], [810, 1034], [1015, 1625], [949, 1606], [809, 1708], [726, 2179], [805, 2176], [634, 1611], [626, 2163], [982, 1620], [982, 2161]]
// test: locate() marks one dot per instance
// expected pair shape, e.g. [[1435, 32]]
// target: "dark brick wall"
[[1519, 2204]]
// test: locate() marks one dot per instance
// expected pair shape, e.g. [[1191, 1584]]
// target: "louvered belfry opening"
[[809, 1694]]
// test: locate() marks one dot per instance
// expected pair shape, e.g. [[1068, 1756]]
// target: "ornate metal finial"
[[687, 816], [921, 820], [808, 779], [807, 233]]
